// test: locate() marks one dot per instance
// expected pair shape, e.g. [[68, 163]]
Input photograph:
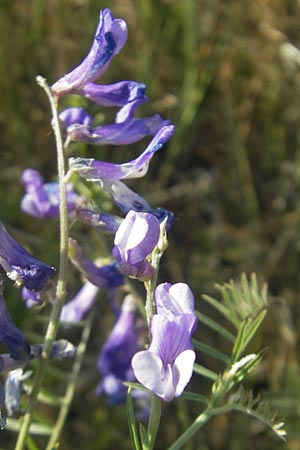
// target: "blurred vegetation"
[[227, 74]]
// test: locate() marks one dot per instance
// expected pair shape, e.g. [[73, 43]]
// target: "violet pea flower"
[[20, 266], [126, 199], [10, 335], [114, 362], [167, 366], [42, 199], [116, 94], [75, 309], [127, 129], [135, 239], [92, 169], [110, 36], [107, 276]]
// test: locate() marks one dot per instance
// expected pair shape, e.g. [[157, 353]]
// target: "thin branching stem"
[[62, 274]]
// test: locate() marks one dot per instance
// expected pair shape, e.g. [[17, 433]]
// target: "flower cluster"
[[166, 367]]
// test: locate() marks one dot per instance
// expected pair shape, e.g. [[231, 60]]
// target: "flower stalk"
[[62, 275]]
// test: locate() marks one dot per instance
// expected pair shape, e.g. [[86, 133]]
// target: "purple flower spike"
[[126, 129], [101, 220], [75, 309], [114, 362], [42, 199], [110, 36], [167, 366], [92, 169], [106, 276], [135, 239], [20, 266], [116, 94], [10, 335]]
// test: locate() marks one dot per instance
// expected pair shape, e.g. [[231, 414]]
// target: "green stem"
[[198, 423], [69, 394], [151, 285], [62, 275]]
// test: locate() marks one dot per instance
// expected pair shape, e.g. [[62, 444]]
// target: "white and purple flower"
[[135, 239], [167, 366]]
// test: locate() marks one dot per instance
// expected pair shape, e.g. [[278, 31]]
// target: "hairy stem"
[[62, 274]]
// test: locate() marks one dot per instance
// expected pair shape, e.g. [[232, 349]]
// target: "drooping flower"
[[107, 276], [135, 239], [116, 94], [103, 221], [114, 362], [20, 266], [127, 129], [92, 169], [110, 36], [75, 309], [10, 335], [167, 366], [126, 199], [42, 199]]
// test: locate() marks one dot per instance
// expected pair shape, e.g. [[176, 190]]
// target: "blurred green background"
[[227, 75]]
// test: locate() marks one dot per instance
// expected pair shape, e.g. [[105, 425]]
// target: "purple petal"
[[106, 276], [73, 115], [171, 337], [92, 169], [125, 198], [19, 264], [10, 335], [75, 309], [117, 94], [110, 36], [103, 221], [115, 356], [42, 200]]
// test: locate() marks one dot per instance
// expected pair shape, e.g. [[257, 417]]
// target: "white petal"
[[184, 363]]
